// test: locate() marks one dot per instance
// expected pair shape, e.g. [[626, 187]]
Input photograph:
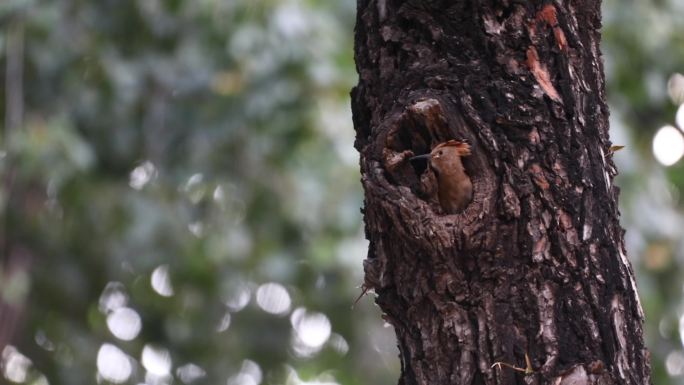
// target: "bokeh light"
[[142, 175], [113, 297], [273, 298], [224, 324], [15, 365], [113, 364], [124, 323], [250, 374], [43, 341], [668, 145], [161, 283], [675, 88], [189, 373], [312, 328], [156, 360], [679, 117], [239, 297], [674, 363], [338, 343]]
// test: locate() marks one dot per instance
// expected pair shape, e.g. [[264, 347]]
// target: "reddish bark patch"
[[541, 74], [538, 177], [549, 16]]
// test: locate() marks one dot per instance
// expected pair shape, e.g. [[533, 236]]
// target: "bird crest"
[[462, 146]]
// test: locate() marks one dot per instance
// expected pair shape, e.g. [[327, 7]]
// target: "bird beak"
[[424, 156]]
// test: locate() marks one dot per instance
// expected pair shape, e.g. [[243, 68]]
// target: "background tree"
[[135, 113]]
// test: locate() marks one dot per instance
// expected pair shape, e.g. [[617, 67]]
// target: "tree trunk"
[[535, 265]]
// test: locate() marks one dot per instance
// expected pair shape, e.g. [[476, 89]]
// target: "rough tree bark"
[[536, 264]]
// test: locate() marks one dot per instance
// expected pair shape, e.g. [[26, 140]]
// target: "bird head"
[[446, 156]]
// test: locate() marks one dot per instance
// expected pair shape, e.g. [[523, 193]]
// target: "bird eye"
[[439, 152]]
